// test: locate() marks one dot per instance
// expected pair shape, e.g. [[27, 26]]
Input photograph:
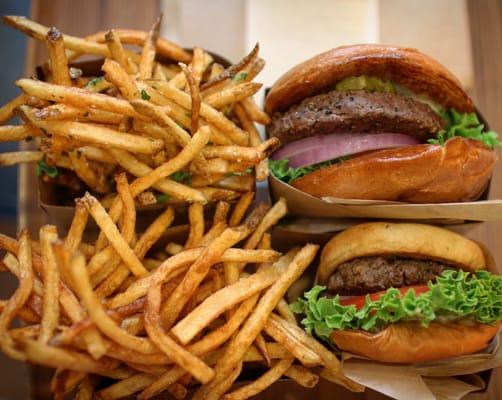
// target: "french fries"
[[141, 106], [161, 308], [154, 330]]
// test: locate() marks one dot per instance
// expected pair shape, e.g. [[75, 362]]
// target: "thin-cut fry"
[[306, 356], [232, 94], [18, 157], [196, 367], [263, 382], [196, 219], [102, 136], [15, 133], [7, 111], [131, 36], [162, 383], [57, 57], [231, 71], [50, 276], [254, 112], [117, 75], [118, 53], [19, 298], [82, 167], [240, 209], [50, 356], [302, 376], [126, 387], [113, 235], [254, 139], [195, 99], [147, 60], [86, 388], [128, 220], [76, 97]]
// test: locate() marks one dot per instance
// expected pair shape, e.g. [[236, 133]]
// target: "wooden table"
[[84, 17]]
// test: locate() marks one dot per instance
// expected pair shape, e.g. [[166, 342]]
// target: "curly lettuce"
[[285, 173], [454, 295], [466, 125]]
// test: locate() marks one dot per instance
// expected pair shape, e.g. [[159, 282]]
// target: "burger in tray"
[[379, 122], [403, 293]]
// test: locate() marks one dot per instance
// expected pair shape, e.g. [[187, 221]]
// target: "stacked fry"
[[188, 127], [125, 315]]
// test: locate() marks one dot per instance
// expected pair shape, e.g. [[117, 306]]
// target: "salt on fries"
[[175, 325], [141, 110]]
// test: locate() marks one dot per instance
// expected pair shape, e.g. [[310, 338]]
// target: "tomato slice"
[[358, 301]]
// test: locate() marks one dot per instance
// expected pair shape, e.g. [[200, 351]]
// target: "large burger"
[[403, 293], [378, 122]]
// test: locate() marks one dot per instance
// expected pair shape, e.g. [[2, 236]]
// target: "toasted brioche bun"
[[410, 240], [426, 173], [406, 66], [408, 342]]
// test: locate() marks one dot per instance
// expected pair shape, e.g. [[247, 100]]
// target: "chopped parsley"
[[94, 82], [44, 168], [145, 95], [240, 77], [182, 177], [162, 198]]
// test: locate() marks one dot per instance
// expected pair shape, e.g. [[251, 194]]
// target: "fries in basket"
[[139, 314], [139, 115]]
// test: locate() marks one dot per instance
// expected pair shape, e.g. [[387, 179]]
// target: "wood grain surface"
[[83, 17]]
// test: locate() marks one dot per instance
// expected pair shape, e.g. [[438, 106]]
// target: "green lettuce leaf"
[[466, 125], [285, 173], [455, 294]]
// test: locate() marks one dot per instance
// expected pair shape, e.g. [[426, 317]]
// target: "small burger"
[[403, 293], [378, 122]]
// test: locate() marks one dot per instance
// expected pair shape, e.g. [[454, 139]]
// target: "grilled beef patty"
[[373, 274], [356, 112]]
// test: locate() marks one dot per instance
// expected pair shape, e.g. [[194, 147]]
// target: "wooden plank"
[[485, 18]]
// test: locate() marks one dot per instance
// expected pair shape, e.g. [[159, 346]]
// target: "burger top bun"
[[409, 240], [406, 66]]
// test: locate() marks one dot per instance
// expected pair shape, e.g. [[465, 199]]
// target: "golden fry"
[[178, 354], [19, 298], [118, 53], [18, 157], [50, 276], [147, 60], [57, 56]]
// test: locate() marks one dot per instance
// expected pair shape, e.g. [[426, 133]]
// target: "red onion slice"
[[321, 148]]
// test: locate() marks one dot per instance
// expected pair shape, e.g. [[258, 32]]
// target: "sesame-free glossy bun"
[[425, 173], [404, 239], [408, 342], [405, 66]]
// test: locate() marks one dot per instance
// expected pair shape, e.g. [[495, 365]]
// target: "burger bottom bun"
[[425, 173], [408, 342]]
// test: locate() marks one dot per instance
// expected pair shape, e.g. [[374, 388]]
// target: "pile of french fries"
[[190, 122], [139, 314]]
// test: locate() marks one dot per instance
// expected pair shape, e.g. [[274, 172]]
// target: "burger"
[[403, 293], [378, 122]]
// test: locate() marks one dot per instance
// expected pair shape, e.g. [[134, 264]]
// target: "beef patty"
[[373, 274], [357, 112]]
